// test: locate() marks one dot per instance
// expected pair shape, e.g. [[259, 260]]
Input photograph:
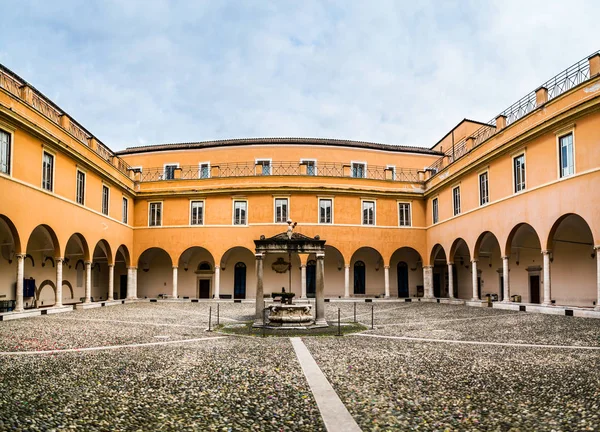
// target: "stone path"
[[335, 415]]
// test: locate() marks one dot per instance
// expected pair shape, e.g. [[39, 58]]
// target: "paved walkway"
[[335, 415]]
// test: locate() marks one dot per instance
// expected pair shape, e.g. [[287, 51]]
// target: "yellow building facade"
[[506, 211]]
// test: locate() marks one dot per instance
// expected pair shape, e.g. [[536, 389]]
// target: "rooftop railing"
[[279, 168], [19, 88], [566, 80]]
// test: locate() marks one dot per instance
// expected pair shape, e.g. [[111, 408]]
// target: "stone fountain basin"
[[294, 313]]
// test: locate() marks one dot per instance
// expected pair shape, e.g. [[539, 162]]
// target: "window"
[[359, 169], [484, 191], [368, 208], [197, 213], [240, 210], [456, 200], [392, 169], [4, 152], [125, 216], [80, 194], [565, 154], [519, 172], [325, 211], [105, 199], [266, 166], [48, 172], [281, 210], [434, 209], [155, 214], [404, 214], [311, 166], [204, 171], [169, 173]]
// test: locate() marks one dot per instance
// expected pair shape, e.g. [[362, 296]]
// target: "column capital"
[[474, 261], [175, 267], [505, 257], [259, 256], [111, 265], [216, 267], [428, 267], [386, 267], [131, 268], [23, 256], [597, 248], [347, 266], [320, 256], [57, 259], [450, 263], [302, 266], [87, 262], [546, 251]]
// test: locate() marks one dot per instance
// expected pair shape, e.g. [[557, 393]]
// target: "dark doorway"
[[204, 288], [534, 288], [359, 278], [239, 281], [437, 284], [311, 279], [501, 291], [478, 287], [122, 287], [402, 270], [454, 281]]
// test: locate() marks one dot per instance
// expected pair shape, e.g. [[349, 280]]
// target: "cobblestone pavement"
[[241, 383]]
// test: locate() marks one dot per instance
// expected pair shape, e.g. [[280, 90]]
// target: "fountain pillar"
[[320, 270], [260, 300]]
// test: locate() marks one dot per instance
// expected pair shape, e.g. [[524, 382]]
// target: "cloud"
[[143, 72]]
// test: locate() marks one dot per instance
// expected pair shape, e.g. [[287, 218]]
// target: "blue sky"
[[147, 72]]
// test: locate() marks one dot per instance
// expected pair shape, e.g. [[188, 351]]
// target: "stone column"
[[597, 278], [474, 280], [129, 283], [111, 282], [505, 280], [320, 303], [450, 280], [428, 281], [217, 292], [347, 280], [547, 292], [303, 280], [386, 278], [59, 279], [20, 277], [174, 293], [88, 282], [260, 300], [134, 277]]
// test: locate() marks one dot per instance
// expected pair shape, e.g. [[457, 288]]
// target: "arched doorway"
[[462, 274], [402, 273], [311, 279], [440, 272], [155, 273], [42, 248], [489, 259], [360, 278], [199, 275], [239, 281], [524, 249]]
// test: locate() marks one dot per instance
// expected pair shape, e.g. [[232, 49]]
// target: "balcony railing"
[[561, 83], [279, 168]]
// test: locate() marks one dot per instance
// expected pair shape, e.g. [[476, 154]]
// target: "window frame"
[[150, 213], [192, 201], [363, 163], [11, 136], [559, 136], [107, 187], [77, 172], [125, 210], [315, 169], [362, 211], [287, 216], [200, 170], [258, 161], [319, 199], [487, 186], [435, 210], [235, 200], [393, 168], [514, 158], [52, 154], [176, 165], [456, 210], [409, 204]]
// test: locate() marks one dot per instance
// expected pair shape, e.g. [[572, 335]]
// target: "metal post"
[[339, 324], [209, 318], [354, 311], [372, 317]]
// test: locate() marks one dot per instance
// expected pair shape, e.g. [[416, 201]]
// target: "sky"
[[399, 72]]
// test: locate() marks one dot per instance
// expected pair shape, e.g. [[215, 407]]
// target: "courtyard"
[[425, 366]]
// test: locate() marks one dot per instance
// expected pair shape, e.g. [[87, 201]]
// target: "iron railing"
[[278, 168], [566, 80]]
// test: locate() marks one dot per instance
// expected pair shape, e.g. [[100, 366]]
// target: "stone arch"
[[77, 240], [373, 268], [124, 252], [560, 220], [12, 229], [435, 250], [488, 253], [459, 243], [406, 272], [49, 238], [104, 246], [231, 273], [514, 232]]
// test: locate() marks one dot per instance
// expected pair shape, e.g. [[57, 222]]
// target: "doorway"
[[122, 287], [437, 284], [359, 278], [311, 279], [534, 288], [203, 288], [402, 271], [239, 281]]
